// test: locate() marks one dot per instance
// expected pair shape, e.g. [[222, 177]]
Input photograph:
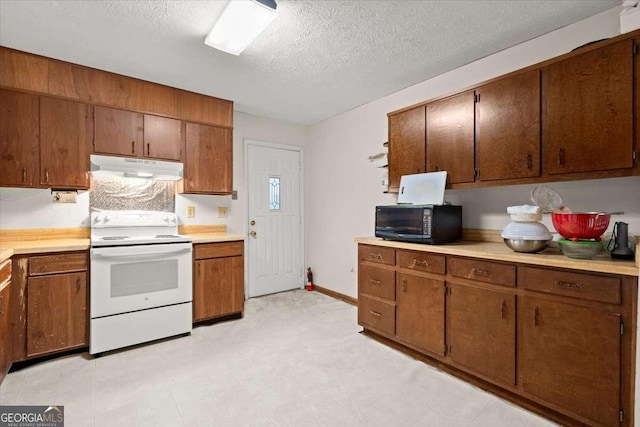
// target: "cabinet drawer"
[[377, 314], [577, 285], [5, 271], [483, 271], [63, 263], [218, 250], [377, 254], [377, 281], [420, 261]]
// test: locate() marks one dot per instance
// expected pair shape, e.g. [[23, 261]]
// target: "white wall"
[[31, 208], [343, 188]]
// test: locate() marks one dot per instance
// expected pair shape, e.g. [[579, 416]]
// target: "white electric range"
[[141, 279]]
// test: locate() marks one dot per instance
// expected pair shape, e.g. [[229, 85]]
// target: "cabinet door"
[[5, 342], [482, 331], [589, 111], [19, 157], [209, 160], [64, 143], [218, 287], [570, 356], [162, 138], [508, 128], [56, 313], [117, 132], [406, 145], [420, 312], [451, 137]]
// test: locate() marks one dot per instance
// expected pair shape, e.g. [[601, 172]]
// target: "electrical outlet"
[[191, 211], [222, 212]]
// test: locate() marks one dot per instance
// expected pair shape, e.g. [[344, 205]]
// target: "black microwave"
[[431, 224]]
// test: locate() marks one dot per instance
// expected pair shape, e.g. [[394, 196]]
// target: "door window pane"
[[274, 193]]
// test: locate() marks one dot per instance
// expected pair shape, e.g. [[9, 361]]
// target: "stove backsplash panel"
[[116, 193]]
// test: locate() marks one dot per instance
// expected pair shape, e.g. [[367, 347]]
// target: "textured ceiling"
[[316, 60]]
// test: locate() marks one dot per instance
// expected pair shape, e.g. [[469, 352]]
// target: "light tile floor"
[[296, 359]]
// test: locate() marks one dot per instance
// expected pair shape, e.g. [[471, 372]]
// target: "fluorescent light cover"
[[240, 23]]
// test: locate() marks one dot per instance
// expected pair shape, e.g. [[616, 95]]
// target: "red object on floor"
[[309, 286]]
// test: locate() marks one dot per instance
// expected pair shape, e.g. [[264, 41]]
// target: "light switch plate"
[[222, 212], [191, 211]]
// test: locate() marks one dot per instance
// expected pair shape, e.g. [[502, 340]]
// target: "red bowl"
[[586, 225]]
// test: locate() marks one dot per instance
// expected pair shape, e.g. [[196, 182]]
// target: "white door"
[[274, 214]]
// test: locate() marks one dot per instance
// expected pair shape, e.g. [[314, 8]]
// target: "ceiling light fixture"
[[240, 23]]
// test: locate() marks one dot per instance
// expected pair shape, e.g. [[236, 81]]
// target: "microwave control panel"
[[426, 222]]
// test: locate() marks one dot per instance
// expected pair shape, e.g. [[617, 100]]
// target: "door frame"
[[300, 150]]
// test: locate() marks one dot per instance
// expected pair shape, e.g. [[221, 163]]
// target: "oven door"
[[131, 278]]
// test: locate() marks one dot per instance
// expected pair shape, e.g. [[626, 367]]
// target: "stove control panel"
[[133, 219]]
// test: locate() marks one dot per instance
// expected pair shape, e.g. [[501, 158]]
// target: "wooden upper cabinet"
[[19, 156], [588, 117], [163, 138], [406, 145], [209, 159], [570, 356], [65, 132], [20, 70], [451, 137], [637, 98], [153, 98], [508, 128], [118, 132], [482, 331], [205, 109], [89, 85]]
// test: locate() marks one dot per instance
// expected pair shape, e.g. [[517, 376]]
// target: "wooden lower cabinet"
[[218, 286], [420, 312], [56, 313], [569, 356], [5, 342], [482, 331], [560, 342]]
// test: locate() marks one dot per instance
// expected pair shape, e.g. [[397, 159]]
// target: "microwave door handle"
[[137, 254]]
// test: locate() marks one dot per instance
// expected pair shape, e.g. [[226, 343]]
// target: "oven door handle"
[[138, 254]]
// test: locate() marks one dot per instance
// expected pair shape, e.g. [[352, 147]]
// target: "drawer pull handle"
[[24, 174], [529, 161], [375, 257], [535, 317], [420, 262], [479, 272], [133, 147], [148, 147], [375, 281], [375, 313], [569, 285], [404, 285], [502, 308], [46, 175]]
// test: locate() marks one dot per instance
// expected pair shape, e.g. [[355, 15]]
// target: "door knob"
[[252, 222], [253, 234]]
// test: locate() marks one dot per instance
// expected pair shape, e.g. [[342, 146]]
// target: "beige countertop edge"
[[10, 248], [215, 237], [500, 252], [5, 254]]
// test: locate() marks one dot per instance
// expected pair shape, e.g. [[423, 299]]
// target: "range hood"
[[136, 168]]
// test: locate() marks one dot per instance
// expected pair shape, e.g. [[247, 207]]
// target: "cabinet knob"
[[561, 156]]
